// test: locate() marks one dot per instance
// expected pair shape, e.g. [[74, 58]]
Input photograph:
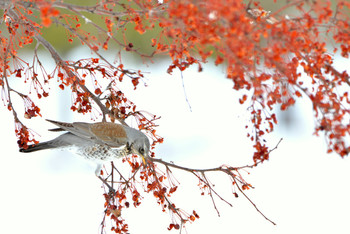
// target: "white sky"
[[301, 188]]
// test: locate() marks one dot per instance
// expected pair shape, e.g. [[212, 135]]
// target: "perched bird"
[[99, 142]]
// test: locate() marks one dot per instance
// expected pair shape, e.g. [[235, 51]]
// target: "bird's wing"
[[111, 134], [81, 131]]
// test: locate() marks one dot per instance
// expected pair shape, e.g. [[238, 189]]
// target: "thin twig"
[[211, 195], [184, 90], [111, 189], [251, 202]]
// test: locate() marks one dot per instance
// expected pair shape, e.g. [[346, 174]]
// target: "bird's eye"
[[128, 146], [141, 150]]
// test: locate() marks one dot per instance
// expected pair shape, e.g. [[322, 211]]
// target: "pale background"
[[301, 188]]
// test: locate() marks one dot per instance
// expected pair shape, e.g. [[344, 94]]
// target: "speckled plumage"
[[100, 152]]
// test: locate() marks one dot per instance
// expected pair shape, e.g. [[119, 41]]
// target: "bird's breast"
[[99, 152]]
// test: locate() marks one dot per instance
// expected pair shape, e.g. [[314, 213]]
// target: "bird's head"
[[141, 146], [138, 142]]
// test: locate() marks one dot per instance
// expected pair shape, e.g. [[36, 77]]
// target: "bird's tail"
[[40, 146], [65, 140]]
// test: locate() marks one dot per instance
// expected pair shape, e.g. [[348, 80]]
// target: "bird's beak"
[[143, 159]]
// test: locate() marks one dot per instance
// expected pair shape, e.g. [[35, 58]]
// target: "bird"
[[99, 142]]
